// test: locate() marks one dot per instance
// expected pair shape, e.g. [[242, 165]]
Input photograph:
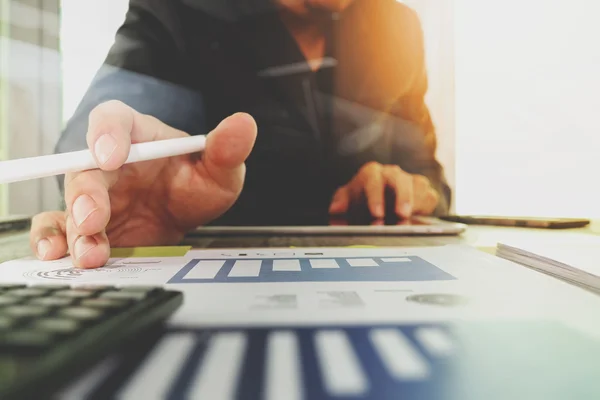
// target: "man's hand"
[[413, 193], [147, 203]]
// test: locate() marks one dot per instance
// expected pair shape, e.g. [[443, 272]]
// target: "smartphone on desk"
[[525, 222]]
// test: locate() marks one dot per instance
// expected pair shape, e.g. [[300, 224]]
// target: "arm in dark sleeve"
[[383, 116], [143, 69], [411, 109]]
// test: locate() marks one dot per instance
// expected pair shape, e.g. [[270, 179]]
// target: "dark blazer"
[[192, 63]]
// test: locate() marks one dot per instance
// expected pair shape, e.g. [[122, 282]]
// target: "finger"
[[402, 185], [340, 202], [338, 222], [87, 200], [47, 237], [109, 134], [425, 198], [227, 148], [87, 251], [114, 126], [421, 186], [374, 189], [429, 202]]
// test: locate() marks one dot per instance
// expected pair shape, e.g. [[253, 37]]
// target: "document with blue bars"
[[343, 323], [407, 361], [305, 269]]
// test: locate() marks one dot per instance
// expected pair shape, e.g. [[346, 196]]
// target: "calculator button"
[[123, 295], [141, 289], [57, 325], [50, 287], [9, 367], [94, 288], [52, 301], [25, 311], [26, 338], [6, 322], [27, 292], [81, 313], [106, 304], [7, 286], [8, 300], [75, 293]]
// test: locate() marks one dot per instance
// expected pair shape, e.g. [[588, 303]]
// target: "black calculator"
[[49, 333]]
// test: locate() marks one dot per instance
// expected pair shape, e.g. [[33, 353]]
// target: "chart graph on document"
[[335, 269], [288, 363]]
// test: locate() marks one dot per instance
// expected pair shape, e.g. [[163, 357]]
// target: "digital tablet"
[[389, 226]]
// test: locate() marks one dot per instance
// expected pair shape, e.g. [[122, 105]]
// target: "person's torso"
[[252, 64]]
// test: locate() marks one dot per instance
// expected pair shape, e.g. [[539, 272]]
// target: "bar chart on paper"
[[408, 361], [285, 363], [365, 269]]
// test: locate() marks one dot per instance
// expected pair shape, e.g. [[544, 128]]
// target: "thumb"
[[227, 148], [109, 134]]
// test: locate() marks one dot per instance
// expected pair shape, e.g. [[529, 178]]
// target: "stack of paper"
[[576, 263]]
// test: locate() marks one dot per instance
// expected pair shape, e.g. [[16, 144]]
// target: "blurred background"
[[514, 93]]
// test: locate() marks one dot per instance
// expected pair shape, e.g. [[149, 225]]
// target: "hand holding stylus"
[[144, 203]]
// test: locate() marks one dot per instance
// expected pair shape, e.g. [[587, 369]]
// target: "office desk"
[[581, 358]]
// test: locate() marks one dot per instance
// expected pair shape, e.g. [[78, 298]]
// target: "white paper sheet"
[[338, 316], [359, 285]]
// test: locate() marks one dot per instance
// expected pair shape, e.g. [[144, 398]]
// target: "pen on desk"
[[57, 164]]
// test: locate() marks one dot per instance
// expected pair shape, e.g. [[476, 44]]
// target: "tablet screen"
[[327, 220], [388, 221]]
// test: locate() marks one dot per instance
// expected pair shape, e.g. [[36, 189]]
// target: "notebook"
[[575, 262]]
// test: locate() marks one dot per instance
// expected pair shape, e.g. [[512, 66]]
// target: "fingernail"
[[406, 210], [247, 117], [104, 148], [83, 245], [43, 247], [83, 207]]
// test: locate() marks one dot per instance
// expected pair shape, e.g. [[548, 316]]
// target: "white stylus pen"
[[57, 164]]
